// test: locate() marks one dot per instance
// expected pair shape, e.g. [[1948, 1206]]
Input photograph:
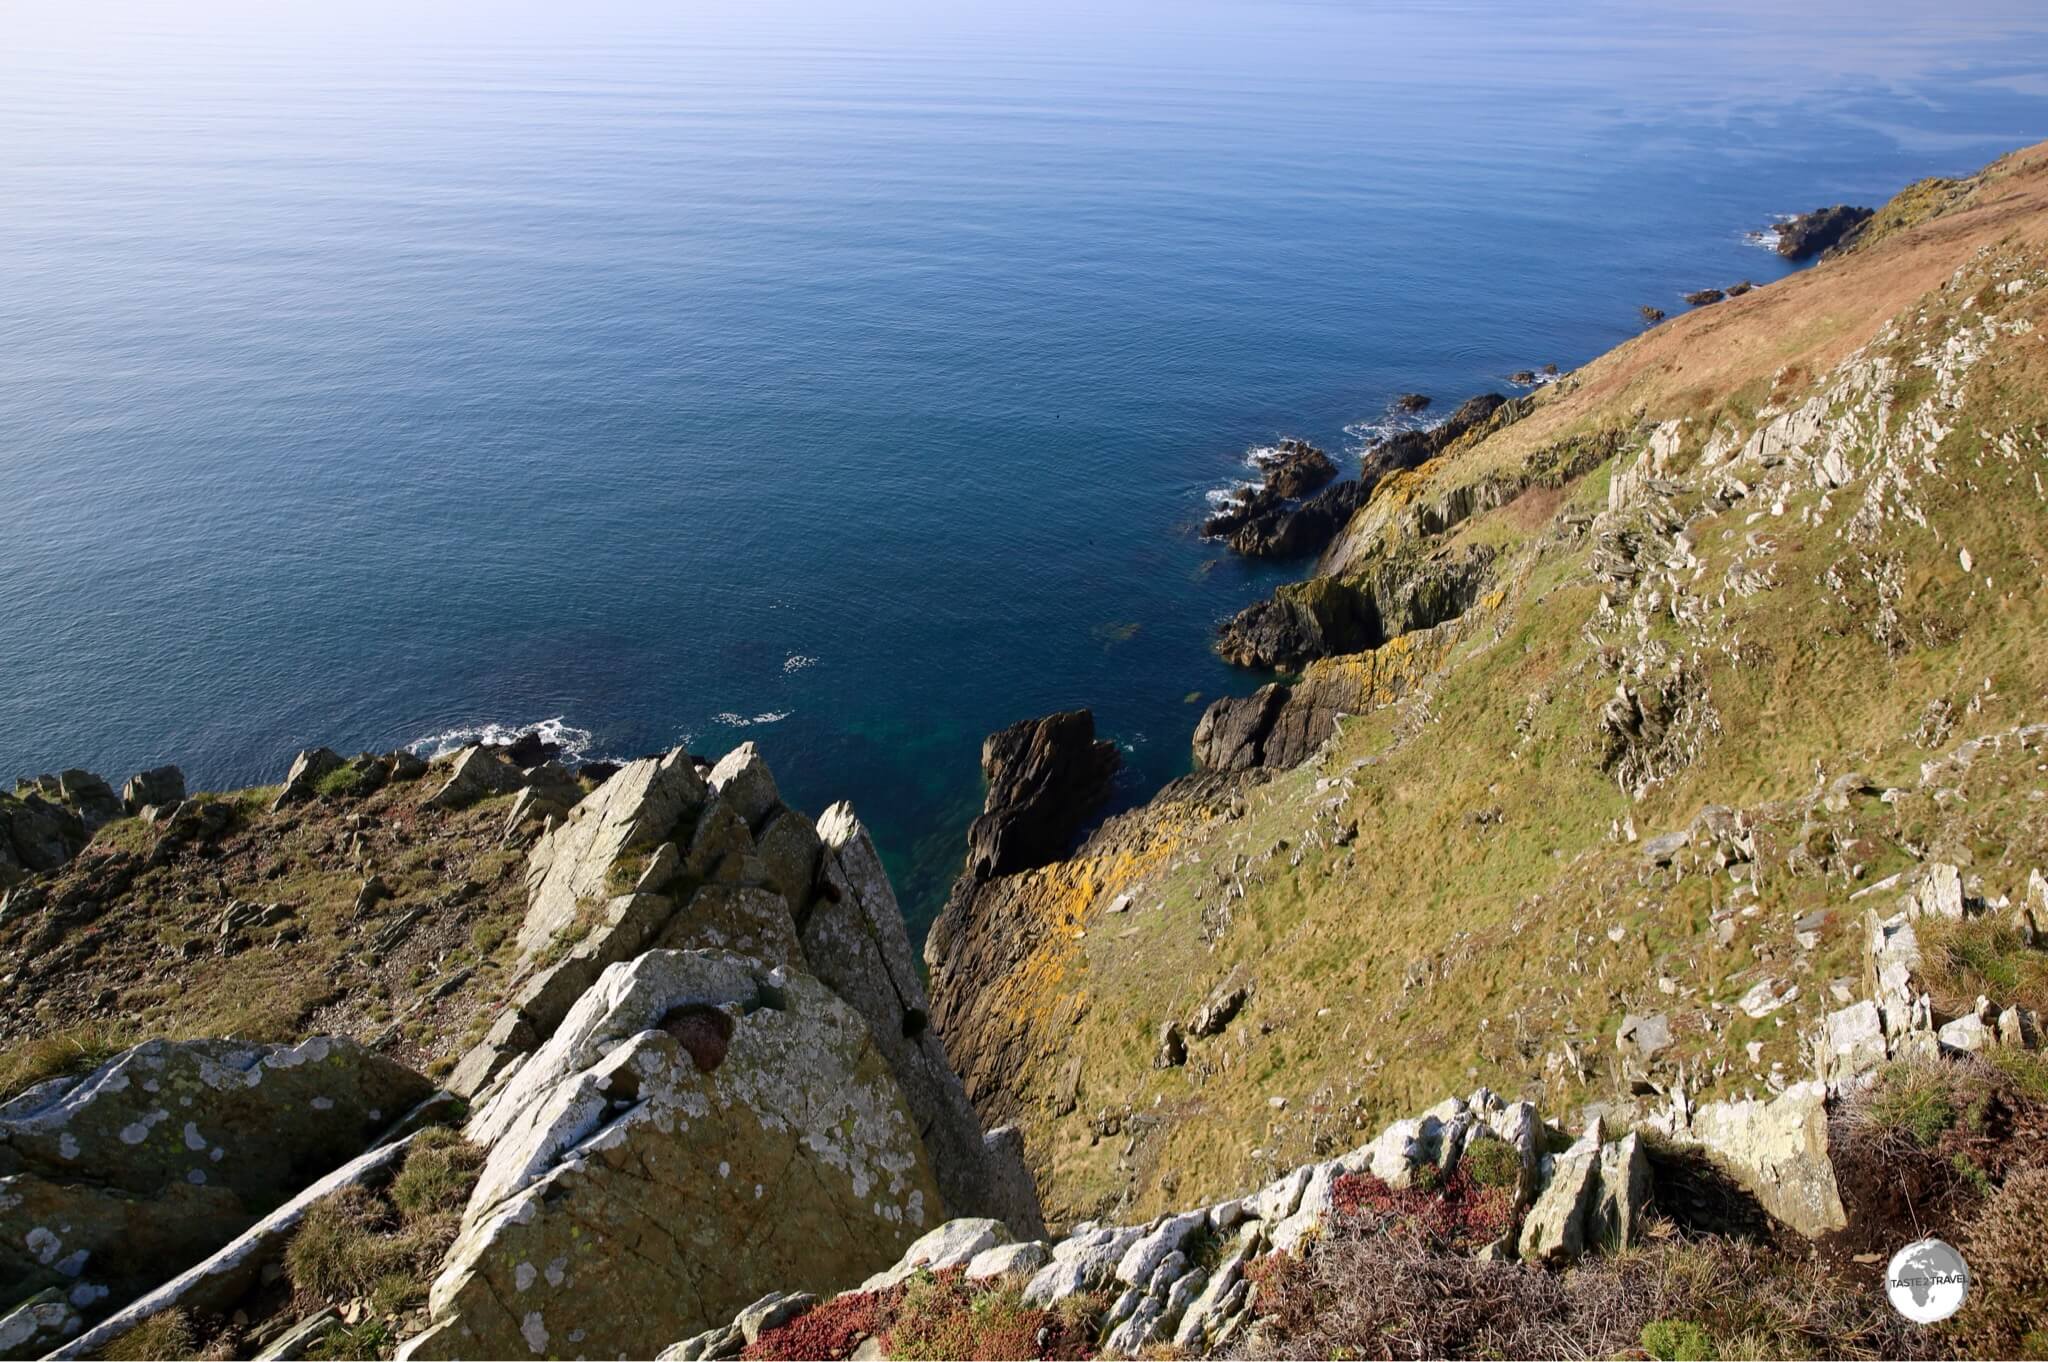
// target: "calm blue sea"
[[844, 377]]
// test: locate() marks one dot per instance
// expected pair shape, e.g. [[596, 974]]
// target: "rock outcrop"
[[1044, 777], [685, 906], [1185, 1278], [1330, 616], [1288, 471], [1824, 229], [111, 1181], [1282, 723], [699, 1124], [48, 820], [161, 786], [215, 1285], [1298, 529]]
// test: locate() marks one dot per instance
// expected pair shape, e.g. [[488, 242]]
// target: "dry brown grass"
[[1812, 319]]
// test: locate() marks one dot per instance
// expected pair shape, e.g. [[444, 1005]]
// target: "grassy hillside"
[[239, 921], [1777, 617]]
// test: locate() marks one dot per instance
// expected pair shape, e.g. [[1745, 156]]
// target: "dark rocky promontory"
[[1044, 776], [1823, 229]]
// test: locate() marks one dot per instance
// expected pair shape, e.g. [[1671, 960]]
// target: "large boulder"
[[700, 1128], [37, 835], [215, 1285], [308, 769], [659, 858], [162, 786], [113, 1181], [90, 797], [1044, 777], [476, 774], [1777, 1150]]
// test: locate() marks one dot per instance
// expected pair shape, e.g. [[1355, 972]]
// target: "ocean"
[[851, 379]]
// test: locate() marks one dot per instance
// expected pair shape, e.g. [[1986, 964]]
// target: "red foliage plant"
[[829, 1332], [1455, 1215]]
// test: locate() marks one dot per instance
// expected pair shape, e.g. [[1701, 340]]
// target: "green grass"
[[1492, 1163], [162, 1336], [385, 1248], [340, 783], [1434, 953], [1678, 1340], [74, 1050]]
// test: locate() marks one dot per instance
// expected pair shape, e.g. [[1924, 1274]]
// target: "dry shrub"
[[1916, 1151], [1379, 1297], [1458, 1214], [1981, 955], [345, 1246], [385, 1248], [2006, 1314]]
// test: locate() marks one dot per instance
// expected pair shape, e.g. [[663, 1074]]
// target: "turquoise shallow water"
[[848, 378]]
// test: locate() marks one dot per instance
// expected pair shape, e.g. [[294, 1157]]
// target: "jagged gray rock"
[[160, 785], [685, 1093]]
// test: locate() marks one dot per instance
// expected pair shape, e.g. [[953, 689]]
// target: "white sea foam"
[[1366, 436], [1258, 458], [575, 741], [1769, 237], [796, 662], [731, 720]]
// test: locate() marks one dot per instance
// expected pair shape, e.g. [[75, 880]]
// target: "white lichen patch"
[[44, 1244]]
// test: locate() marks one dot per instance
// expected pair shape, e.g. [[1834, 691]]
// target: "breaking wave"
[[575, 742]]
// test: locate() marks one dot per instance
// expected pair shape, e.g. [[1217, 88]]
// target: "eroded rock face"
[[1328, 616], [631, 812], [1044, 777], [36, 835], [855, 941], [1282, 724], [698, 1126], [111, 1182], [1289, 470], [1296, 531]]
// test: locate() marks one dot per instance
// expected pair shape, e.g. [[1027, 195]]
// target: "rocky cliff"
[[1659, 764], [681, 1031], [1612, 718]]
